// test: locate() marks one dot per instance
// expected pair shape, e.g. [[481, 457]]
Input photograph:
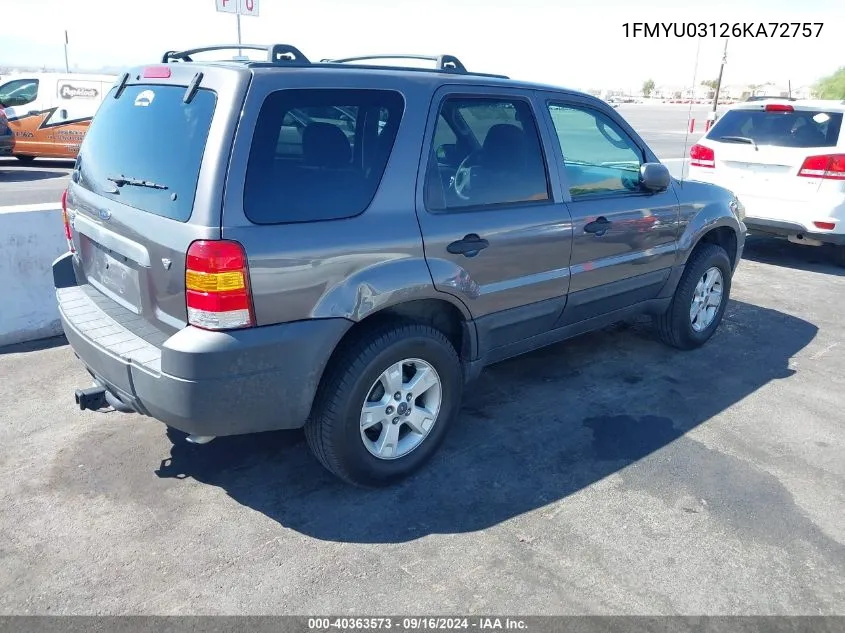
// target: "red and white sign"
[[244, 7], [227, 6], [248, 7]]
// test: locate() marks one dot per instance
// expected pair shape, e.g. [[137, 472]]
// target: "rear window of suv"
[[148, 135], [319, 154], [800, 128]]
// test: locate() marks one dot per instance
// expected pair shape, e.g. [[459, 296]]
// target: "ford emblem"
[[104, 214]]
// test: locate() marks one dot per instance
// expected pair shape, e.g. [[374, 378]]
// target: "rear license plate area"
[[112, 274]]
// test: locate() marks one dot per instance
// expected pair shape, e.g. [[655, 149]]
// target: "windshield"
[[801, 128], [148, 136]]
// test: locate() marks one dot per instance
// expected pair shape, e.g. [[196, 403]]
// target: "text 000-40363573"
[[723, 29]]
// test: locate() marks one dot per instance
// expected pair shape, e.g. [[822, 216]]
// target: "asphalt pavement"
[[605, 475], [38, 182]]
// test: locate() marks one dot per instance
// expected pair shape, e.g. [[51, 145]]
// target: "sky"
[[575, 44]]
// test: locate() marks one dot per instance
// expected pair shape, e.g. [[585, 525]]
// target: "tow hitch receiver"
[[93, 398]]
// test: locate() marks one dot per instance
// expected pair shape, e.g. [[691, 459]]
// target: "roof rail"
[[448, 63], [276, 53]]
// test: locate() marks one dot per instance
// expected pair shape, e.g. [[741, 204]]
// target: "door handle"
[[599, 226], [469, 246]]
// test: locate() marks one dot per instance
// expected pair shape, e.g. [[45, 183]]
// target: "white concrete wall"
[[31, 237]]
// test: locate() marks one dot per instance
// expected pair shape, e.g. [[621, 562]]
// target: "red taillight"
[[157, 72], [701, 156], [217, 286], [779, 107], [829, 167], [66, 221], [825, 226]]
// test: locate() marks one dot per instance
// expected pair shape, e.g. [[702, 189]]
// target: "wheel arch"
[[441, 313], [724, 236]]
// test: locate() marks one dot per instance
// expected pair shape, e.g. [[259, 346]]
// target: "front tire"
[[25, 159], [699, 301], [359, 430]]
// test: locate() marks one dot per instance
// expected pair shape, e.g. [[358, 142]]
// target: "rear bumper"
[[791, 217], [201, 382], [778, 228]]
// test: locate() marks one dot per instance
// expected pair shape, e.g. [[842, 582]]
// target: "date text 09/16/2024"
[[723, 29], [422, 623]]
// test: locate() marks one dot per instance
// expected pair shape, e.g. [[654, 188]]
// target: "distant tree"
[[648, 87], [832, 86], [754, 88], [710, 83]]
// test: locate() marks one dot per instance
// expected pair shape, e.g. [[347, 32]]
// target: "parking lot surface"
[[604, 475], [41, 181]]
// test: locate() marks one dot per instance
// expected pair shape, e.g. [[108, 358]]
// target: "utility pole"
[[712, 116], [67, 66], [238, 14]]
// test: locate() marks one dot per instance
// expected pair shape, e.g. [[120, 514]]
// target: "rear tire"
[[25, 159], [677, 327], [839, 255], [345, 438]]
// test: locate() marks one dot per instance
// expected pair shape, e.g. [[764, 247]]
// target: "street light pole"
[[67, 66], [712, 116], [240, 52]]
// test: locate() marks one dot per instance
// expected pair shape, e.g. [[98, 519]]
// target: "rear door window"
[[319, 154], [145, 148], [800, 128], [486, 152]]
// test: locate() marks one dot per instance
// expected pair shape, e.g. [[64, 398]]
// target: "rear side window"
[[319, 154], [800, 128], [145, 148]]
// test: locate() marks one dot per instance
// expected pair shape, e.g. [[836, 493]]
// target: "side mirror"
[[654, 177]]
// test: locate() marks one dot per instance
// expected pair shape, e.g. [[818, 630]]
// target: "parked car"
[[786, 162], [49, 113], [225, 282]]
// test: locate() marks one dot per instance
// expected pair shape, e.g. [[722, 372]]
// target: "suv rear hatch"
[[774, 149], [147, 183]]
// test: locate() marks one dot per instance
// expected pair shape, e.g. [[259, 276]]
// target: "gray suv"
[[343, 245]]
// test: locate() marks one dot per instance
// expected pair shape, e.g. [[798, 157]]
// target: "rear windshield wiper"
[[135, 182], [739, 139]]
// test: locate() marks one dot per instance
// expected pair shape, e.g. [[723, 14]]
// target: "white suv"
[[785, 161]]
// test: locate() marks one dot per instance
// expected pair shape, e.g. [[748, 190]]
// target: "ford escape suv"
[[342, 245]]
